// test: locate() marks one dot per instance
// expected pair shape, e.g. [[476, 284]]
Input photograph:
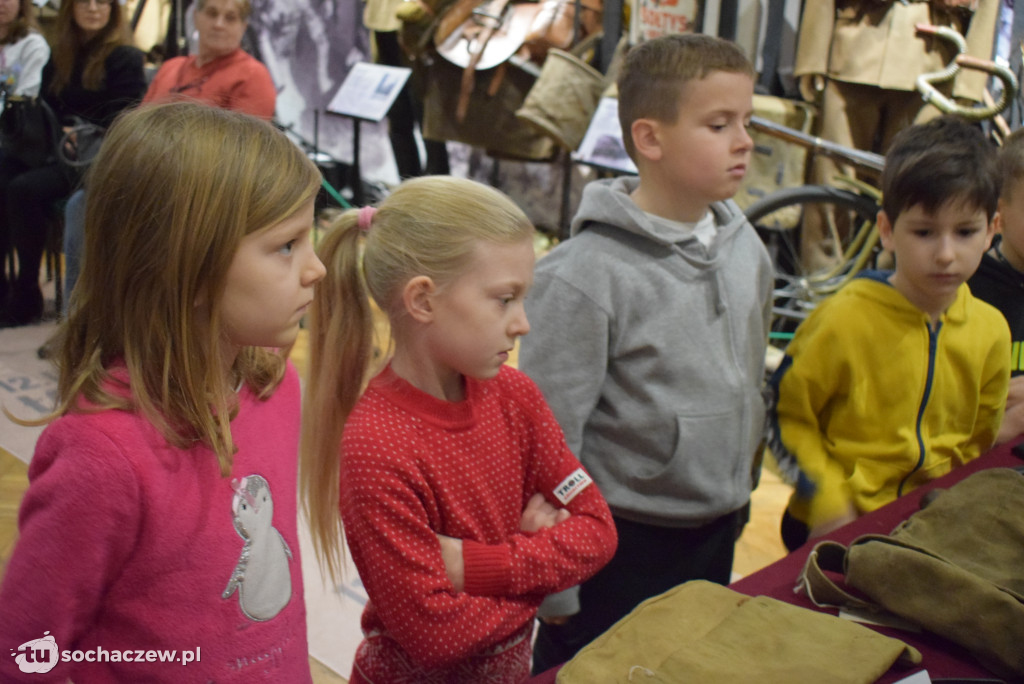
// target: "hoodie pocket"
[[701, 466]]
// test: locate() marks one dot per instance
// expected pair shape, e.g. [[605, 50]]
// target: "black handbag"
[[29, 131]]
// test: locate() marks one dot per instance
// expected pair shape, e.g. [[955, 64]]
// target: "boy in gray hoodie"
[[649, 329]]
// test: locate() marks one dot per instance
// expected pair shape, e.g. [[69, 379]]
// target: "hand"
[[554, 620], [1013, 419], [821, 529], [451, 554], [953, 4], [539, 514], [811, 86], [71, 141]]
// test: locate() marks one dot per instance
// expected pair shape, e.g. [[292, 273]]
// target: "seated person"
[[221, 74], [23, 53], [23, 50], [93, 74], [999, 279], [900, 376]]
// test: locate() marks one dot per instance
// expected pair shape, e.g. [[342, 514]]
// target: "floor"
[[759, 545]]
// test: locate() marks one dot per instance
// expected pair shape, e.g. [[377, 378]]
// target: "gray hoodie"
[[650, 349]]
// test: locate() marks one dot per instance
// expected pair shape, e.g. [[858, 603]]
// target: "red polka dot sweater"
[[414, 466]]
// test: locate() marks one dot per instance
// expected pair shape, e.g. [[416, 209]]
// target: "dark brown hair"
[[946, 159]]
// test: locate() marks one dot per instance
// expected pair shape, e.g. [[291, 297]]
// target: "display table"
[[941, 658]]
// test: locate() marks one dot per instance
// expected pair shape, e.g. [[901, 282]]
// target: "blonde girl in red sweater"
[[462, 506]]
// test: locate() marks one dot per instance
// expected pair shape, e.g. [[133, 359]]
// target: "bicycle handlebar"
[[930, 94], [865, 161]]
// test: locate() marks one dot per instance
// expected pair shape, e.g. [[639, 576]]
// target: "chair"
[[53, 254]]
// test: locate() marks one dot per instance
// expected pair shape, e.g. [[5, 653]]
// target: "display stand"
[[366, 94]]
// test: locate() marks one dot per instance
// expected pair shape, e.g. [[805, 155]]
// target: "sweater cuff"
[[487, 569], [829, 503], [566, 602]]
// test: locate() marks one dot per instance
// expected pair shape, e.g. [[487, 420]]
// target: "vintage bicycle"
[[852, 202]]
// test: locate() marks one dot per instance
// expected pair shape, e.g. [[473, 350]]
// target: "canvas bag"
[[703, 632], [955, 568], [491, 122], [775, 163]]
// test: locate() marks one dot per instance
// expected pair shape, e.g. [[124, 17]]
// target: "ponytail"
[[427, 226], [340, 352]]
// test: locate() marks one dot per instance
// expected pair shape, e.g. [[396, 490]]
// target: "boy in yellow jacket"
[[900, 376]]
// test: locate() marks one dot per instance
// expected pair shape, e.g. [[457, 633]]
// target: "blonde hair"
[[70, 45], [172, 193], [428, 226]]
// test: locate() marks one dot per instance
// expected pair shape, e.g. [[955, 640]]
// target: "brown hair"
[[25, 22], [654, 74], [69, 44], [172, 192]]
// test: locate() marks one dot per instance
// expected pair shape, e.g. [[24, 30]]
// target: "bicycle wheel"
[[779, 218]]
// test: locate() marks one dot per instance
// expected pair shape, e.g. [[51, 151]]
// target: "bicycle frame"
[[805, 290]]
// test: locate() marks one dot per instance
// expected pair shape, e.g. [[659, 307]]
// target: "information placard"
[[368, 91], [655, 18], [602, 145]]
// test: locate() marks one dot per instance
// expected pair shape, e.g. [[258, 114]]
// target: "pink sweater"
[[413, 466], [128, 544]]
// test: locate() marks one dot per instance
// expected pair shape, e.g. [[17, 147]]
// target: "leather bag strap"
[[492, 22], [820, 589]]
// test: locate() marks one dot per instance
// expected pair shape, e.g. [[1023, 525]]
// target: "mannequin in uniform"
[[860, 59]]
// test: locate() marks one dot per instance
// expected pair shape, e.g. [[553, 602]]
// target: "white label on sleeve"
[[567, 490]]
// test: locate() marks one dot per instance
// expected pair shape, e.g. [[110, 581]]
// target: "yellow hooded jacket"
[[871, 402]]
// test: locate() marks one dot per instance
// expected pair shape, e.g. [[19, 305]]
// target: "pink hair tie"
[[365, 217]]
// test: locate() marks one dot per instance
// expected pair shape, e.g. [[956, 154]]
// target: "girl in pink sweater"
[[461, 503], [158, 534]]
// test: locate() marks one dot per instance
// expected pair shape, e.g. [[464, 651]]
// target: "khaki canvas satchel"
[[707, 633], [955, 568]]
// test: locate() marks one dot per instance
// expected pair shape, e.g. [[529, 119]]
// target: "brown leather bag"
[[955, 568], [486, 35]]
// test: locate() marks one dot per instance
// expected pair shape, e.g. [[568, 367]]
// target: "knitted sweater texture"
[[129, 544], [413, 467]]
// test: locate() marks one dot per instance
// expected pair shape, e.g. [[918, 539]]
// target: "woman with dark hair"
[[93, 74], [23, 50], [220, 73]]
